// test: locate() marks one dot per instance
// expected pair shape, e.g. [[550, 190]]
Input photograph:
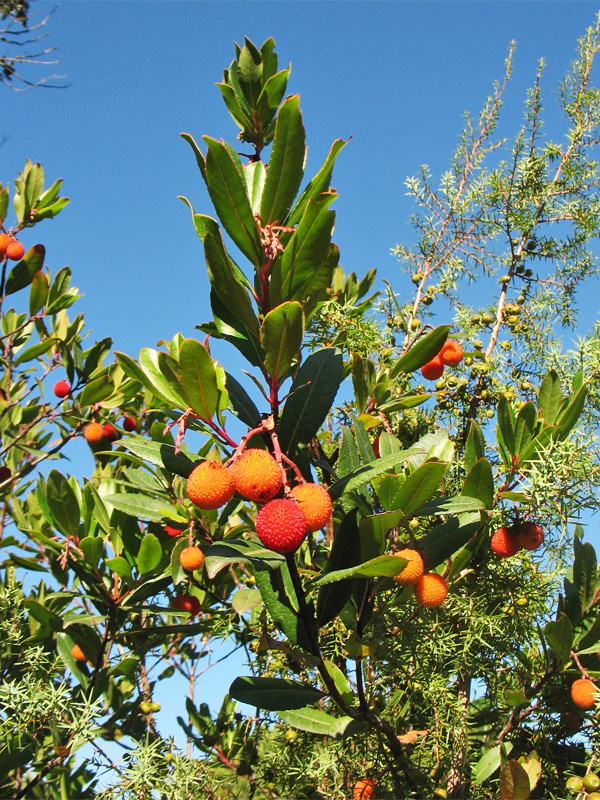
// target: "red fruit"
[[184, 602], [530, 535], [174, 531], [363, 789], [62, 389], [505, 543], [15, 250], [433, 369], [5, 473], [451, 353], [210, 485], [191, 558], [94, 433], [256, 475], [281, 525], [5, 240], [314, 502], [130, 424], [376, 448], [111, 433]]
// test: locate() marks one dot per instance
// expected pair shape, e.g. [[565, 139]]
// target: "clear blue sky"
[[396, 76]]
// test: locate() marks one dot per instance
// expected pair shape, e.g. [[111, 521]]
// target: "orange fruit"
[[94, 433], [583, 693], [210, 485], [433, 369], [256, 475], [314, 502], [430, 590], [364, 788], [5, 240], [191, 558], [451, 353], [413, 571], [78, 653], [15, 250], [530, 535], [281, 525]]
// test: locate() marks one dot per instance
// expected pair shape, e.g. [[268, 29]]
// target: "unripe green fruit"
[[155, 707], [414, 524], [530, 246], [478, 344], [593, 796], [505, 279], [417, 277], [468, 361], [427, 300], [169, 756], [439, 791], [487, 319], [452, 380], [291, 735], [528, 273], [512, 319], [591, 782], [520, 269], [145, 707], [490, 413], [575, 784], [520, 299], [441, 384], [415, 324]]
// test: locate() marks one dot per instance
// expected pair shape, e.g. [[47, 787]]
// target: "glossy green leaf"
[[138, 505], [474, 446], [442, 541], [585, 575], [231, 328], [490, 762], [367, 472], [245, 599], [569, 415], [221, 554], [38, 294], [3, 203], [525, 424], [43, 614], [319, 722], [198, 378], [119, 565], [279, 597], [382, 566], [345, 553], [149, 555], [419, 486], [373, 529], [549, 397], [515, 698], [319, 184], [227, 190], [365, 448], [93, 549], [274, 694], [23, 272], [281, 336], [479, 483], [35, 351], [159, 454], [311, 396], [241, 403], [559, 635], [286, 164], [63, 504], [505, 429], [157, 382], [97, 390], [421, 352]]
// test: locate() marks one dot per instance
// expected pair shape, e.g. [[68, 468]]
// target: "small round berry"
[[430, 590], [281, 525], [314, 502], [5, 240], [433, 369], [363, 789], [451, 353], [78, 653], [591, 782], [62, 389], [210, 485], [530, 535], [184, 602], [93, 433], [155, 707], [583, 693], [174, 531], [129, 424], [15, 250], [575, 784], [111, 433], [5, 473], [256, 475], [191, 558], [413, 571], [145, 707], [505, 543]]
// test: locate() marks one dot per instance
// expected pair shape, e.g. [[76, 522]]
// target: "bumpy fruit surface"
[[184, 602], [111, 433], [364, 789], [583, 693], [191, 558], [314, 502], [531, 535], [257, 476], [15, 250], [129, 424], [281, 525], [451, 353], [430, 590], [62, 389], [93, 433], [505, 543], [5, 240], [77, 653], [210, 485], [433, 369], [413, 571]]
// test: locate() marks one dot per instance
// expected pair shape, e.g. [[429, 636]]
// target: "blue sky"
[[395, 76]]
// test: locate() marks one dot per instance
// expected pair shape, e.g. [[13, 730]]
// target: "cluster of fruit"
[[449, 356], [588, 784], [10, 248], [282, 523], [429, 588], [96, 432], [507, 542]]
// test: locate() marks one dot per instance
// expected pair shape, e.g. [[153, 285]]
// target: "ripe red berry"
[[62, 389], [15, 250], [433, 369], [184, 602], [530, 535], [111, 433], [505, 543], [281, 525], [5, 473], [174, 531], [130, 424], [451, 353]]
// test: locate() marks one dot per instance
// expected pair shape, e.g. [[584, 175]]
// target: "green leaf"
[[505, 429], [568, 416], [93, 549], [286, 164], [319, 184], [23, 272], [365, 448], [149, 555], [159, 454], [319, 722], [63, 504], [227, 190], [474, 446], [373, 529], [515, 698], [241, 403], [281, 336], [198, 378], [585, 575], [549, 397], [514, 782], [382, 566], [479, 483], [345, 553], [489, 762], [367, 472], [38, 294], [311, 396], [152, 378], [420, 486], [279, 597], [120, 566], [525, 424], [442, 541], [234, 551], [44, 615], [97, 390], [421, 352], [231, 328], [245, 599], [255, 175], [559, 635], [35, 351], [450, 505], [138, 505], [274, 694]]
